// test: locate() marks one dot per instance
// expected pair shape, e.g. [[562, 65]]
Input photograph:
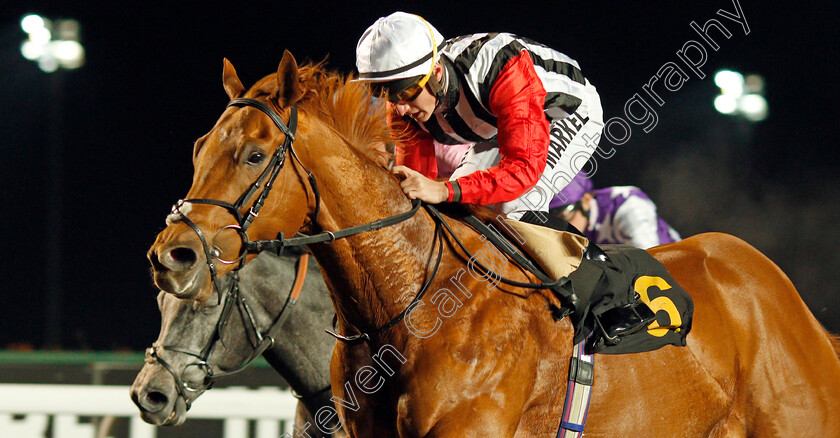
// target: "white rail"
[[25, 408]]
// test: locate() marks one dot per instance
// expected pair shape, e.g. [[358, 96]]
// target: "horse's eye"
[[256, 158]]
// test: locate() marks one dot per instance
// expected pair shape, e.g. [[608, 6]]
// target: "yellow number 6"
[[641, 286]]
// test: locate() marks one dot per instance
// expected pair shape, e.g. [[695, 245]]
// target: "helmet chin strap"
[[436, 89]]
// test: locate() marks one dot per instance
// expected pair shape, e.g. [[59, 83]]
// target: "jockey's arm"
[[516, 98], [416, 163]]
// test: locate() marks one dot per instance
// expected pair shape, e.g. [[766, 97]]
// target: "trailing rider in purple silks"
[[620, 214], [530, 116]]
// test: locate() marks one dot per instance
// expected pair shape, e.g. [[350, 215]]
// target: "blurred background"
[[92, 158]]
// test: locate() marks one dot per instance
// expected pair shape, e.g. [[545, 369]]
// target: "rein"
[[369, 336], [331, 236], [560, 287]]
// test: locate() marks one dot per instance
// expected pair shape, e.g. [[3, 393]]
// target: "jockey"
[[531, 116], [622, 214], [485, 89]]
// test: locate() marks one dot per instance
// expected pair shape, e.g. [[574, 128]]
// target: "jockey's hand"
[[417, 186]]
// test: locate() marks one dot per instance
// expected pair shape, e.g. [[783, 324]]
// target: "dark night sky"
[[152, 84]]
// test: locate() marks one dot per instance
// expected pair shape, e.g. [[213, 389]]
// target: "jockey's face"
[[423, 106], [577, 218]]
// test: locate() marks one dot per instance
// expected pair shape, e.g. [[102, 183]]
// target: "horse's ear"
[[289, 89], [233, 86]]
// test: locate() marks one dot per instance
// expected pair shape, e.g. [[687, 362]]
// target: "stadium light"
[[741, 96], [32, 23], [753, 107], [52, 45], [730, 82], [726, 104]]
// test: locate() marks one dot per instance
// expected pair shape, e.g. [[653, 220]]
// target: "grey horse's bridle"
[[259, 340]]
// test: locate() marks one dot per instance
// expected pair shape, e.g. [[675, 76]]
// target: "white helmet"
[[398, 46]]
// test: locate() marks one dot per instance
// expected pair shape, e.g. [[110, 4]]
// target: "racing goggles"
[[566, 212], [403, 90]]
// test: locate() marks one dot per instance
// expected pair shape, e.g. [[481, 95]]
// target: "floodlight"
[[52, 45], [730, 82], [753, 107], [725, 104], [741, 96], [31, 23]]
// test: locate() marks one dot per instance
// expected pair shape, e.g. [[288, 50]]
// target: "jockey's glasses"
[[403, 90], [406, 95], [566, 212]]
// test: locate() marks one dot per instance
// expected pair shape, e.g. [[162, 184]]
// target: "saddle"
[[591, 280]]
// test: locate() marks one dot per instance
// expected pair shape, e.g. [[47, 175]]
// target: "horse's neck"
[[302, 352], [369, 272]]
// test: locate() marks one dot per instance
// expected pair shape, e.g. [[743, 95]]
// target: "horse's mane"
[[345, 106], [835, 342]]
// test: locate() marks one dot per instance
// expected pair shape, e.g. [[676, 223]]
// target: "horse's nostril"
[[179, 259], [183, 255], [155, 399]]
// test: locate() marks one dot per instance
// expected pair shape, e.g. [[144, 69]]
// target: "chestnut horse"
[[476, 357]]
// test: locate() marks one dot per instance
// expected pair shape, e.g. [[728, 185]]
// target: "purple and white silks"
[[625, 214]]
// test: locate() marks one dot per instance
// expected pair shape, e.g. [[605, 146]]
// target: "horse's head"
[[163, 396], [246, 153], [201, 341]]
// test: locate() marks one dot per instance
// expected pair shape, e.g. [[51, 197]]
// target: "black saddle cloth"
[[634, 274]]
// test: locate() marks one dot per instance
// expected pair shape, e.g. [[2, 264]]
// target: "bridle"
[[265, 179], [232, 296], [260, 341]]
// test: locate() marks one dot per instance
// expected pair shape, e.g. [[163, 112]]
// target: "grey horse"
[[174, 374]]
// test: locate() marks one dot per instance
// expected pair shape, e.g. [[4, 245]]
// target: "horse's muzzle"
[[159, 405], [178, 267]]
